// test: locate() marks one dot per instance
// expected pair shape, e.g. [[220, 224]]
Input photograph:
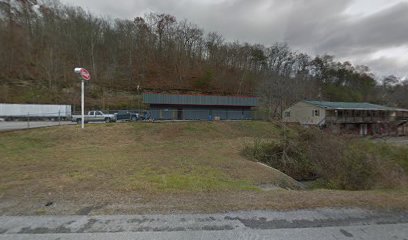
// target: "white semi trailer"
[[11, 112]]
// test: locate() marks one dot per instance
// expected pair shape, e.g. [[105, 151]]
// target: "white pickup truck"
[[94, 116]]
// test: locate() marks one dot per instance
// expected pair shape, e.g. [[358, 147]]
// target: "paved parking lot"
[[9, 126]]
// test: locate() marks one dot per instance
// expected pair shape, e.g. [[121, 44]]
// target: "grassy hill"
[[151, 158], [139, 167]]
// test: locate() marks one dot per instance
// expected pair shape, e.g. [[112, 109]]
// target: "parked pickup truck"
[[94, 116]]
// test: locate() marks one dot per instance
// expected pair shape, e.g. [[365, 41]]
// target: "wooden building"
[[349, 117]]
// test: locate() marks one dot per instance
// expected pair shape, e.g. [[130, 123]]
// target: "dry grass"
[[153, 167], [147, 158]]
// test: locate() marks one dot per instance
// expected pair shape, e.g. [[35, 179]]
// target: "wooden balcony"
[[338, 120]]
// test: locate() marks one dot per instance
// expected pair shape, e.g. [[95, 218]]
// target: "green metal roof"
[[168, 99], [351, 106]]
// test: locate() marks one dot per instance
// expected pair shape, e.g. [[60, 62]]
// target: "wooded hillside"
[[42, 41]]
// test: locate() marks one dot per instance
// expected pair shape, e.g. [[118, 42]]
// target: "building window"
[[316, 113], [287, 114]]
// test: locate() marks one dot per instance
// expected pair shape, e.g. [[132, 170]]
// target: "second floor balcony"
[[356, 119]]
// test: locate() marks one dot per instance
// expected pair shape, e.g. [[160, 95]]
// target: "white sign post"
[[84, 76]]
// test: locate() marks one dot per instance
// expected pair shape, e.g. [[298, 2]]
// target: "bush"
[[283, 156], [355, 171], [338, 162]]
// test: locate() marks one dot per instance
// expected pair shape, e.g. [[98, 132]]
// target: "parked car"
[[125, 115], [94, 116]]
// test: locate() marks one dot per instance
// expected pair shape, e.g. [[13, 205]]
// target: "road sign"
[[85, 75]]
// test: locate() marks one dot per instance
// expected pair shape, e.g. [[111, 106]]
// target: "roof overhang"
[[199, 100], [353, 106]]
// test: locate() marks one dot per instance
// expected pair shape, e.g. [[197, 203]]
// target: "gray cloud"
[[384, 29], [388, 65], [313, 26]]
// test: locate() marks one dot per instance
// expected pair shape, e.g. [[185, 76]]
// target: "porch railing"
[[331, 119]]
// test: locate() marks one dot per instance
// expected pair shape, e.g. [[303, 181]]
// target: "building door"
[[363, 129], [179, 114]]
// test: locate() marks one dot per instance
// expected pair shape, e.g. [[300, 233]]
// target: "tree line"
[[42, 41]]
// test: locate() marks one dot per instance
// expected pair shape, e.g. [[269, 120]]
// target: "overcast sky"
[[369, 32]]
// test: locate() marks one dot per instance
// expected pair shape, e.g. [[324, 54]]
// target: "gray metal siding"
[[149, 98], [235, 114], [163, 113], [167, 113], [221, 113], [200, 113], [248, 115], [195, 114], [155, 113]]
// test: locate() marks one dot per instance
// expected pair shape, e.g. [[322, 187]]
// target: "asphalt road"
[[313, 224], [10, 126]]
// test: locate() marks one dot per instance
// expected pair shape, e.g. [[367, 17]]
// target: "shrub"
[[283, 156], [338, 162], [355, 171]]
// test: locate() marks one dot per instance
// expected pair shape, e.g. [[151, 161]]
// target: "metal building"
[[200, 107]]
